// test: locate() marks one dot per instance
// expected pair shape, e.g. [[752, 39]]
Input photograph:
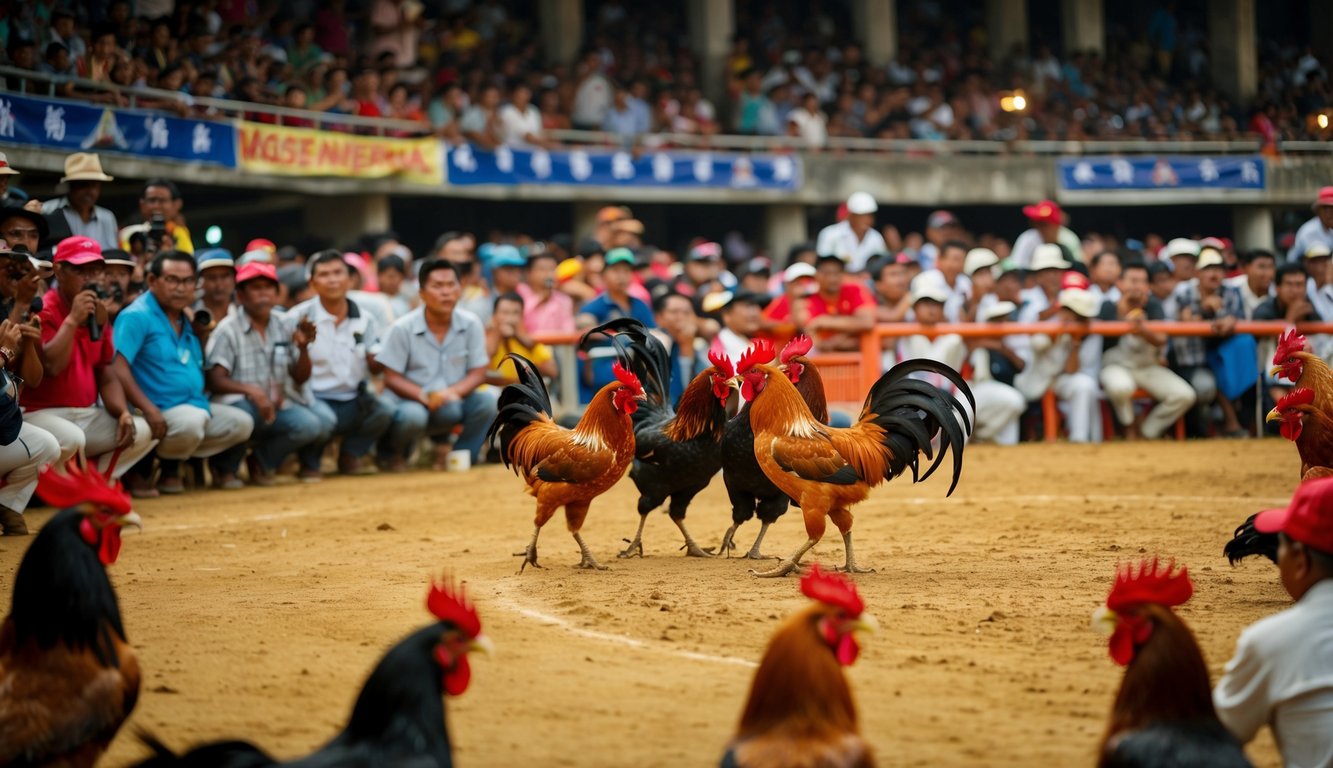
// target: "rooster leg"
[[728, 542], [529, 555], [636, 546], [691, 549], [754, 553], [851, 566], [791, 564], [588, 561]]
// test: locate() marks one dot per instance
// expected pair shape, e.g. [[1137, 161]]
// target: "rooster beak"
[[735, 383], [1274, 371], [1273, 415], [867, 623], [482, 643], [1104, 620], [130, 519]]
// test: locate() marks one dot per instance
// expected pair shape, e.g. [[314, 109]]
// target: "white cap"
[[1210, 257], [5, 168], [929, 285], [861, 202], [258, 254], [797, 271], [998, 310], [1080, 301], [1182, 246], [1048, 256], [978, 258], [1317, 249], [715, 301]]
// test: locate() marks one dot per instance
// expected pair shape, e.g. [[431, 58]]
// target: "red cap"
[[260, 243], [78, 250], [256, 269], [1308, 519], [1325, 197], [1046, 210], [1074, 279]]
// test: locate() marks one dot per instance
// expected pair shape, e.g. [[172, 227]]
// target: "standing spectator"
[[1318, 228], [841, 310], [342, 361], [396, 25], [78, 369], [1047, 227], [521, 121], [304, 52], [624, 118], [941, 227], [615, 301], [1282, 673], [1134, 361], [506, 335], [678, 330], [435, 362], [156, 341], [1204, 299], [1255, 284], [481, 123], [994, 364], [755, 114], [217, 284], [545, 309], [62, 32], [160, 197], [855, 241], [258, 361], [77, 213], [808, 123], [1068, 363], [592, 93]]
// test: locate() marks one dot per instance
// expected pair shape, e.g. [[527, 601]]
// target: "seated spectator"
[[1317, 259], [678, 328], [614, 302], [840, 311], [995, 363], [1104, 273], [755, 276], [929, 296], [1162, 284], [118, 274], [627, 118], [217, 284], [342, 357], [259, 362], [948, 272], [1255, 283], [1134, 361], [789, 313], [24, 449], [506, 334], [545, 309], [1067, 363], [507, 265], [1290, 303], [435, 363], [521, 121], [893, 300], [701, 272], [1204, 299], [78, 350], [741, 317], [391, 274], [161, 349], [460, 249], [481, 123]]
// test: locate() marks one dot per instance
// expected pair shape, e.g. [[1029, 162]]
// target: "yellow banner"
[[285, 151]]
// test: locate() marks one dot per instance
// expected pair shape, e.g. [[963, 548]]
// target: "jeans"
[[346, 419], [295, 427], [411, 421]]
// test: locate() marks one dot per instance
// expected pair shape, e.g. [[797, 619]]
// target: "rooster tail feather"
[[913, 412], [520, 404], [640, 352], [1246, 542]]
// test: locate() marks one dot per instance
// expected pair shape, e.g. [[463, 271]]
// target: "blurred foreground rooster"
[[827, 470], [1163, 714], [565, 467], [800, 713], [398, 720], [751, 493], [68, 678], [675, 450]]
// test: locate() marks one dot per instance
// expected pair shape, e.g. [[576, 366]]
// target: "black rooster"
[[1246, 541], [751, 492], [398, 720], [68, 679], [675, 450]]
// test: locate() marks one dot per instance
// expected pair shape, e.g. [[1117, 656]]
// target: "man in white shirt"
[[1068, 364], [1047, 227], [1255, 284], [1318, 228], [521, 121], [855, 240], [948, 272], [1282, 673]]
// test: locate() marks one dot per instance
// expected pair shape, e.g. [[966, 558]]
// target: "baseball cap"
[[115, 257], [797, 271], [941, 219], [998, 310], [620, 256], [1044, 211], [633, 226], [261, 255], [1325, 197], [261, 243], [256, 270], [861, 203], [758, 266], [1210, 257], [1048, 256], [214, 257], [705, 252], [612, 213], [1080, 301], [1181, 246], [1307, 519], [929, 289], [1072, 279], [507, 256], [979, 258], [78, 250], [1317, 249]]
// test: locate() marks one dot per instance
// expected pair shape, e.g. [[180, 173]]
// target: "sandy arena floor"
[[258, 613]]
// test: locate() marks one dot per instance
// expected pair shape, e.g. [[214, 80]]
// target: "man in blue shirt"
[[614, 302], [154, 340]]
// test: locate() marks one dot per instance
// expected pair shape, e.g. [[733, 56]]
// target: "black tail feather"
[[520, 404], [222, 754], [912, 412], [1247, 542], [641, 352]]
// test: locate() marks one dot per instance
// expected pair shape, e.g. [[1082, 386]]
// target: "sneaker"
[[12, 523], [310, 476], [228, 482], [171, 486]]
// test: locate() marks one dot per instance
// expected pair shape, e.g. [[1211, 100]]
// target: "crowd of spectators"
[[475, 71]]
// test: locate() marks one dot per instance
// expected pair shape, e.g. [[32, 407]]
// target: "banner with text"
[[1179, 172], [81, 127], [304, 152], [599, 167]]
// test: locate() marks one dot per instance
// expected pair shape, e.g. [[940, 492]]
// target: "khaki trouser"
[[21, 460], [191, 431], [92, 433], [1173, 394]]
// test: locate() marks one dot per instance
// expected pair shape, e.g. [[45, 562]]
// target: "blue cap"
[[214, 257], [507, 256]]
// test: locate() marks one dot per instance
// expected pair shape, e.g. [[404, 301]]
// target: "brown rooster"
[[1163, 713], [68, 678], [565, 467], [827, 470], [800, 713]]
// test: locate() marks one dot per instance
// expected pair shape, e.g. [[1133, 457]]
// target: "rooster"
[[565, 467], [675, 450], [1163, 713], [68, 677], [751, 493], [398, 720], [827, 470], [800, 711]]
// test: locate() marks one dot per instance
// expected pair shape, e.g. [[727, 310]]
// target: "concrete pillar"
[[562, 29], [1083, 25], [1232, 36], [585, 220], [784, 226], [344, 219], [1253, 225], [1007, 23], [712, 23], [1321, 30], [876, 23]]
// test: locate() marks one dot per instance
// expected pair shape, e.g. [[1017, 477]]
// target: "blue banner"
[[77, 127], [1180, 172], [598, 167]]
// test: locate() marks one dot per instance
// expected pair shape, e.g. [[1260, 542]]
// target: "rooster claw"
[[591, 565], [784, 568], [529, 558], [635, 548], [693, 550], [853, 568]]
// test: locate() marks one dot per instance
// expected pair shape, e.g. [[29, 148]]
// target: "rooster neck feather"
[[799, 686], [780, 403], [1316, 375], [699, 413], [811, 389], [602, 424]]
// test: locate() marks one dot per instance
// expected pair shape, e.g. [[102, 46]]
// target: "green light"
[[213, 235]]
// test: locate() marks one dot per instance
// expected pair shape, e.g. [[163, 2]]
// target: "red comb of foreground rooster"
[[68, 677], [800, 711], [1163, 713]]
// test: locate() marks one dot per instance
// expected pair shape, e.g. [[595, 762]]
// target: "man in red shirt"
[[837, 314], [76, 340]]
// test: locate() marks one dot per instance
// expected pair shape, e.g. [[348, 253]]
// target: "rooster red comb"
[[77, 486], [1288, 344], [759, 352], [1151, 584], [1297, 396], [832, 589], [448, 602], [626, 377], [797, 346], [722, 363]]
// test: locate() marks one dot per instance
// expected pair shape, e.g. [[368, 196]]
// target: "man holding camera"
[[78, 351], [159, 207]]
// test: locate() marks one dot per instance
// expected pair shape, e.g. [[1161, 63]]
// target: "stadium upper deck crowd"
[[475, 71]]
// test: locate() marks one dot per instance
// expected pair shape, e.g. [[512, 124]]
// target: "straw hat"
[[84, 166]]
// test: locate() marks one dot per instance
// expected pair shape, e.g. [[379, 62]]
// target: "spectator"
[[217, 285], [755, 276], [855, 241], [9, 195], [401, 106], [893, 300], [118, 272], [627, 233], [979, 267], [506, 335], [20, 281], [789, 313], [1183, 254], [396, 25], [507, 265], [929, 296], [1317, 229], [79, 372], [365, 99], [162, 351], [545, 309], [948, 272], [841, 310], [1134, 361], [304, 52], [625, 118], [615, 301], [756, 114], [62, 32], [1047, 227], [1204, 299], [1104, 273], [77, 213], [460, 249], [808, 123], [1067, 362], [678, 328], [700, 275], [435, 363], [24, 448], [941, 227], [1047, 268], [1282, 673], [741, 314], [259, 361], [994, 364], [391, 274], [1290, 303], [592, 93], [342, 357], [1316, 260], [481, 123], [1255, 284], [521, 121], [160, 197], [1162, 283], [23, 228]]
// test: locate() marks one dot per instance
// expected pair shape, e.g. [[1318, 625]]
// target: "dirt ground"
[[258, 613]]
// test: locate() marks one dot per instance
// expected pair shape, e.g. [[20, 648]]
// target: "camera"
[[157, 230], [202, 318], [94, 329]]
